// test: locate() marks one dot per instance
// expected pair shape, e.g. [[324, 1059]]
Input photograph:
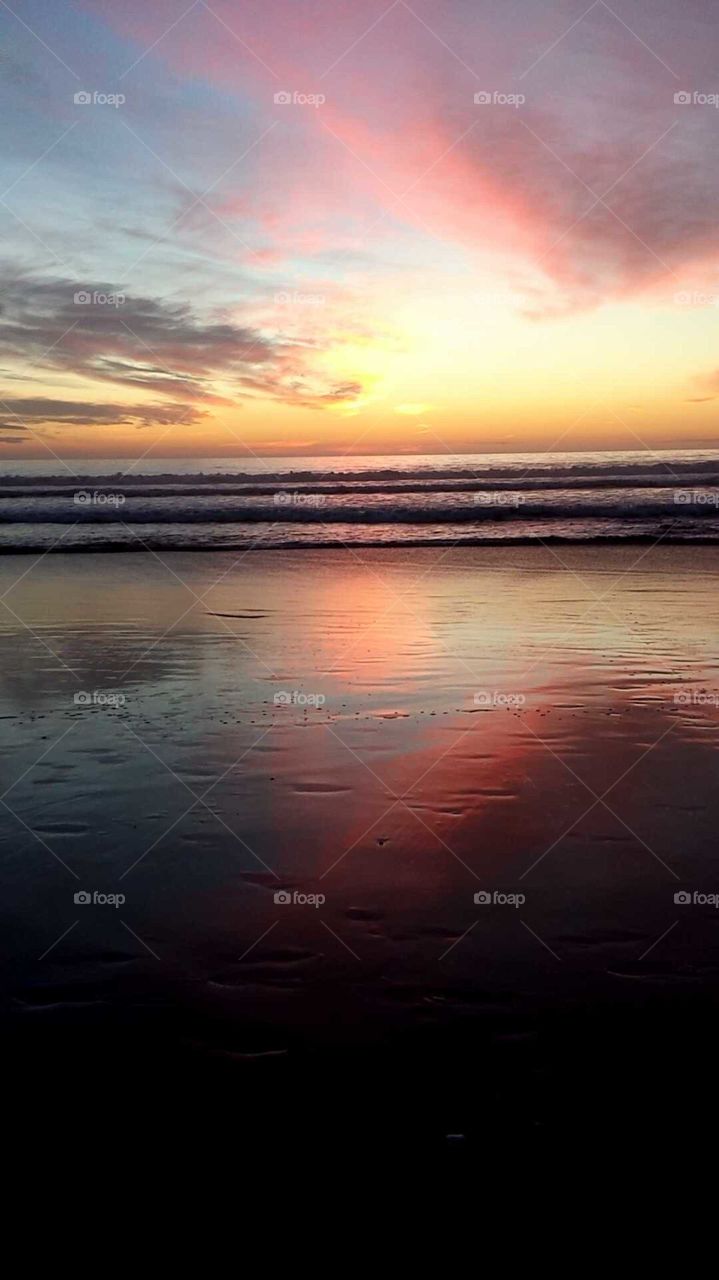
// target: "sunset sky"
[[395, 268]]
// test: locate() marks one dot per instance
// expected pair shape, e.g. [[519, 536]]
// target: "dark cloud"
[[96, 332], [303, 392], [19, 414]]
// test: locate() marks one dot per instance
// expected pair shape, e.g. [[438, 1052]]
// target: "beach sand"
[[395, 733]]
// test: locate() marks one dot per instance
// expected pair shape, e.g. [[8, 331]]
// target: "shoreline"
[[147, 545]]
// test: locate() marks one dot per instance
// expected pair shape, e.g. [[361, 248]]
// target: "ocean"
[[465, 499]]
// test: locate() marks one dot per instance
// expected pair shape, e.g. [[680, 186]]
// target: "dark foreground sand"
[[397, 1011]]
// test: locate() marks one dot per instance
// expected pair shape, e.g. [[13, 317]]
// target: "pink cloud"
[[527, 183]]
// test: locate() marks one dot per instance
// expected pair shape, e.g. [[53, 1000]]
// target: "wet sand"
[[380, 739]]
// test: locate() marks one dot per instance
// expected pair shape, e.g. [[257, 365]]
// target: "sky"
[[301, 227]]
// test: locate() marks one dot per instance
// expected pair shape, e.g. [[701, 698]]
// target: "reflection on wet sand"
[[395, 735]]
